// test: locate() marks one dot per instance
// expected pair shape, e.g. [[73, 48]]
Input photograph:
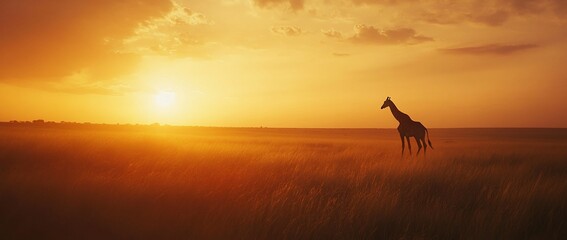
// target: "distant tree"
[[38, 121]]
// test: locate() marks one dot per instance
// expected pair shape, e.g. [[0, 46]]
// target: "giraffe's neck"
[[397, 113]]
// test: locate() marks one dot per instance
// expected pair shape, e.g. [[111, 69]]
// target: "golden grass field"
[[152, 182]]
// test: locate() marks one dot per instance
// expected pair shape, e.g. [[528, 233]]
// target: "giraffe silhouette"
[[408, 128]]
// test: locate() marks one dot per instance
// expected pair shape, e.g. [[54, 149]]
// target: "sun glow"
[[164, 99]]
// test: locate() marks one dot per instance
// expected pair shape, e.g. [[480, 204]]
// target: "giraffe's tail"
[[429, 141]]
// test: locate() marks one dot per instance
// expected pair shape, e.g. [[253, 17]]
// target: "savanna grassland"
[[151, 182]]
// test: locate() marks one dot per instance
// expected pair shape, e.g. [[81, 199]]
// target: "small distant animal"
[[408, 128]]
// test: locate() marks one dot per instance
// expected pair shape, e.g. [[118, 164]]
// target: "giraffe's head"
[[387, 103]]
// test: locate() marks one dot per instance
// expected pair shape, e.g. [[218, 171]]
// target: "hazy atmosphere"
[[285, 63], [283, 119]]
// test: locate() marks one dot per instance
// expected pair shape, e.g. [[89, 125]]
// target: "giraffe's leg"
[[409, 145], [418, 145], [403, 144], [424, 146]]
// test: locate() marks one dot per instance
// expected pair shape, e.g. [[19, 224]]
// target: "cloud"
[[289, 31], [495, 49], [445, 16], [332, 33], [48, 40], [383, 2], [488, 12], [364, 34], [168, 35], [292, 4]]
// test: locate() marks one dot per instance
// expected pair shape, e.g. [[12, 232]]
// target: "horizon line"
[[157, 124]]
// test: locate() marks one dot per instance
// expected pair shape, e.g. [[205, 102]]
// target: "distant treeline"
[[52, 124], [43, 122], [40, 123]]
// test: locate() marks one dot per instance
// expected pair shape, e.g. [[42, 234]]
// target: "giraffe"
[[408, 128]]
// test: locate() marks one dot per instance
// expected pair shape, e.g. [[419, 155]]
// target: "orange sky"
[[285, 63]]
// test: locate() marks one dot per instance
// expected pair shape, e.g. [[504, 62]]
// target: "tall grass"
[[200, 183]]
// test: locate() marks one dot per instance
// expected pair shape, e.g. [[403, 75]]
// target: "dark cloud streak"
[[489, 49], [341, 54]]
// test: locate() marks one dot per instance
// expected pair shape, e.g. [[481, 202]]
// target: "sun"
[[164, 99]]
